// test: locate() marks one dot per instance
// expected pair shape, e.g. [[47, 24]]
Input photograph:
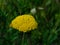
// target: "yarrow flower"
[[24, 23]]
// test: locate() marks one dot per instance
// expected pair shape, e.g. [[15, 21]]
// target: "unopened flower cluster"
[[24, 23]]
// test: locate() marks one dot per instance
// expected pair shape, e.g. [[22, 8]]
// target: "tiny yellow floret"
[[24, 23]]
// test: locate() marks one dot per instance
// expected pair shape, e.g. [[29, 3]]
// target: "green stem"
[[23, 39]]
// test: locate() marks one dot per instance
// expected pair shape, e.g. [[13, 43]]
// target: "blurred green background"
[[48, 31]]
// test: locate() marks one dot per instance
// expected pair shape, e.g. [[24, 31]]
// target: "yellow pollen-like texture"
[[24, 23]]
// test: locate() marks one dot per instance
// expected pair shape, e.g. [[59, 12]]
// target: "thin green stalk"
[[23, 39]]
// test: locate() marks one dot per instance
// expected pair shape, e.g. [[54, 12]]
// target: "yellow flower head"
[[24, 23]]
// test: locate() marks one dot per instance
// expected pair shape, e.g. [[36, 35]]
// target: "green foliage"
[[48, 31]]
